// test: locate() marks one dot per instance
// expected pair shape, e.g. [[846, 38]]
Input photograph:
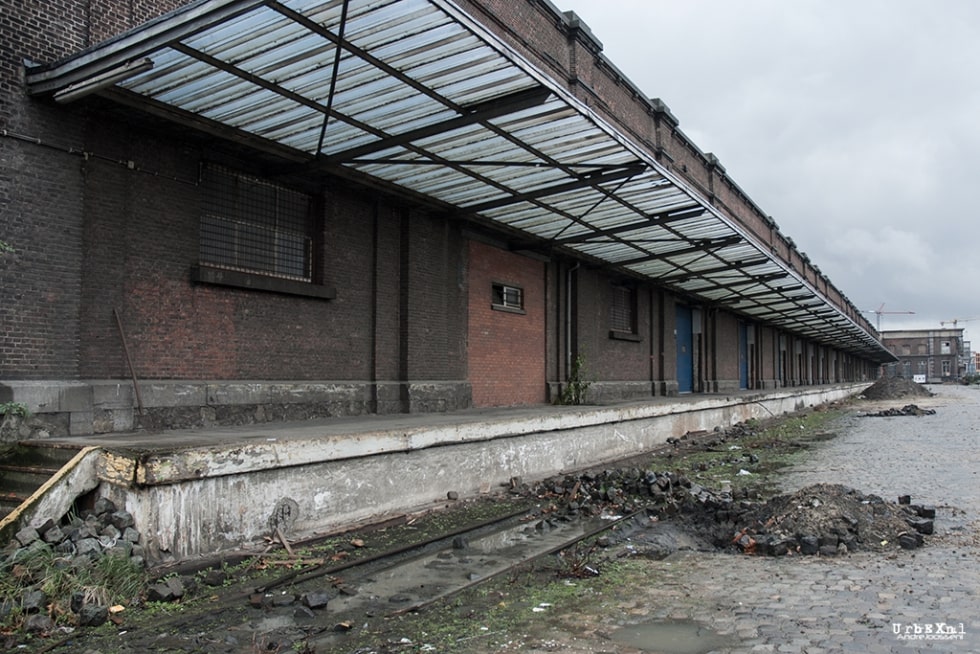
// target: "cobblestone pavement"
[[852, 603]]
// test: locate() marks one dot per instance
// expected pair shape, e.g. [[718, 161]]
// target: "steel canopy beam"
[[737, 265], [588, 179], [475, 114], [161, 32], [707, 246], [651, 221]]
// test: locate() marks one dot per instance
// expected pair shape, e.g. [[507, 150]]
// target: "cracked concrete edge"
[[186, 463], [55, 497]]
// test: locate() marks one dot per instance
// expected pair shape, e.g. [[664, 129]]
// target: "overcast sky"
[[855, 124]]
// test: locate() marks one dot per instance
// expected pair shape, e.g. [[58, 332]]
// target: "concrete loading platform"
[[196, 493]]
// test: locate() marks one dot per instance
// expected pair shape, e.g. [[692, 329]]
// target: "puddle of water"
[[671, 637], [822, 436], [273, 622]]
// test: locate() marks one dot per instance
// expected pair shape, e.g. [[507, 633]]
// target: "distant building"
[[928, 355]]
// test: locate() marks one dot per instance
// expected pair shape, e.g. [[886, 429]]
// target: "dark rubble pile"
[[907, 410], [625, 491], [829, 519], [103, 531], [76, 543], [823, 519], [895, 388]]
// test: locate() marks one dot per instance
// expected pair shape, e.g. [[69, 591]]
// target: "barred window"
[[622, 311], [254, 225]]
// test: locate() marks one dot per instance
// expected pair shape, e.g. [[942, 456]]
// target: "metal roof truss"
[[419, 96]]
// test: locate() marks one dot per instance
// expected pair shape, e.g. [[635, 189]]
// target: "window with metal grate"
[[254, 225], [622, 311]]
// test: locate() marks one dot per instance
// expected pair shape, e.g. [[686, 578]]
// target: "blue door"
[[743, 355], [685, 349]]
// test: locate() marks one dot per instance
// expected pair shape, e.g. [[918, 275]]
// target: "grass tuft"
[[105, 581]]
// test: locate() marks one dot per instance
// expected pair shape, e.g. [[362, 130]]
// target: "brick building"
[[218, 216], [928, 355]]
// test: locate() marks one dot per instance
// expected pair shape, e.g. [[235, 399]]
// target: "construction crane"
[[954, 321], [879, 312]]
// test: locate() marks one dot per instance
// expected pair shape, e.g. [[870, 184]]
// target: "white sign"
[[928, 631]]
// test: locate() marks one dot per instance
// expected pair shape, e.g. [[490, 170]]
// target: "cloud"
[[864, 250]]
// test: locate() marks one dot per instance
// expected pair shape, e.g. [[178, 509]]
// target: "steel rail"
[[476, 582], [322, 570]]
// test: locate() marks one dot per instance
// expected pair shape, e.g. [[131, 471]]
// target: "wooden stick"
[[129, 361], [285, 543]]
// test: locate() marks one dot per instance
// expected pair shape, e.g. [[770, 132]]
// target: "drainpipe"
[[568, 318]]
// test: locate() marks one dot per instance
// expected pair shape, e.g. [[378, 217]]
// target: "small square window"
[[507, 297]]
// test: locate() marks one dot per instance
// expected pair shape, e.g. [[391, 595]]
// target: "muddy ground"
[[712, 493]]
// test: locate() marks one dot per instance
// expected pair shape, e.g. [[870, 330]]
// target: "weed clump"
[[41, 581]]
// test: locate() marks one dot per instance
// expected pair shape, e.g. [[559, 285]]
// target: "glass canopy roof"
[[418, 95]]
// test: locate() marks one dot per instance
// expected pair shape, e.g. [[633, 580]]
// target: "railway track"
[[398, 580], [426, 574]]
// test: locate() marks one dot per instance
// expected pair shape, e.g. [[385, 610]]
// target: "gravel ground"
[[700, 600], [869, 602]]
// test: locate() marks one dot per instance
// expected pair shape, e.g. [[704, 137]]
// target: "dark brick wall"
[[39, 282], [107, 18], [609, 358], [432, 298], [723, 334], [765, 357], [138, 225], [795, 354], [42, 185], [386, 286], [506, 350], [141, 237]]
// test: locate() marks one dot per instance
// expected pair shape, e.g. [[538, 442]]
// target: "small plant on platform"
[[14, 409], [12, 413], [576, 386]]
